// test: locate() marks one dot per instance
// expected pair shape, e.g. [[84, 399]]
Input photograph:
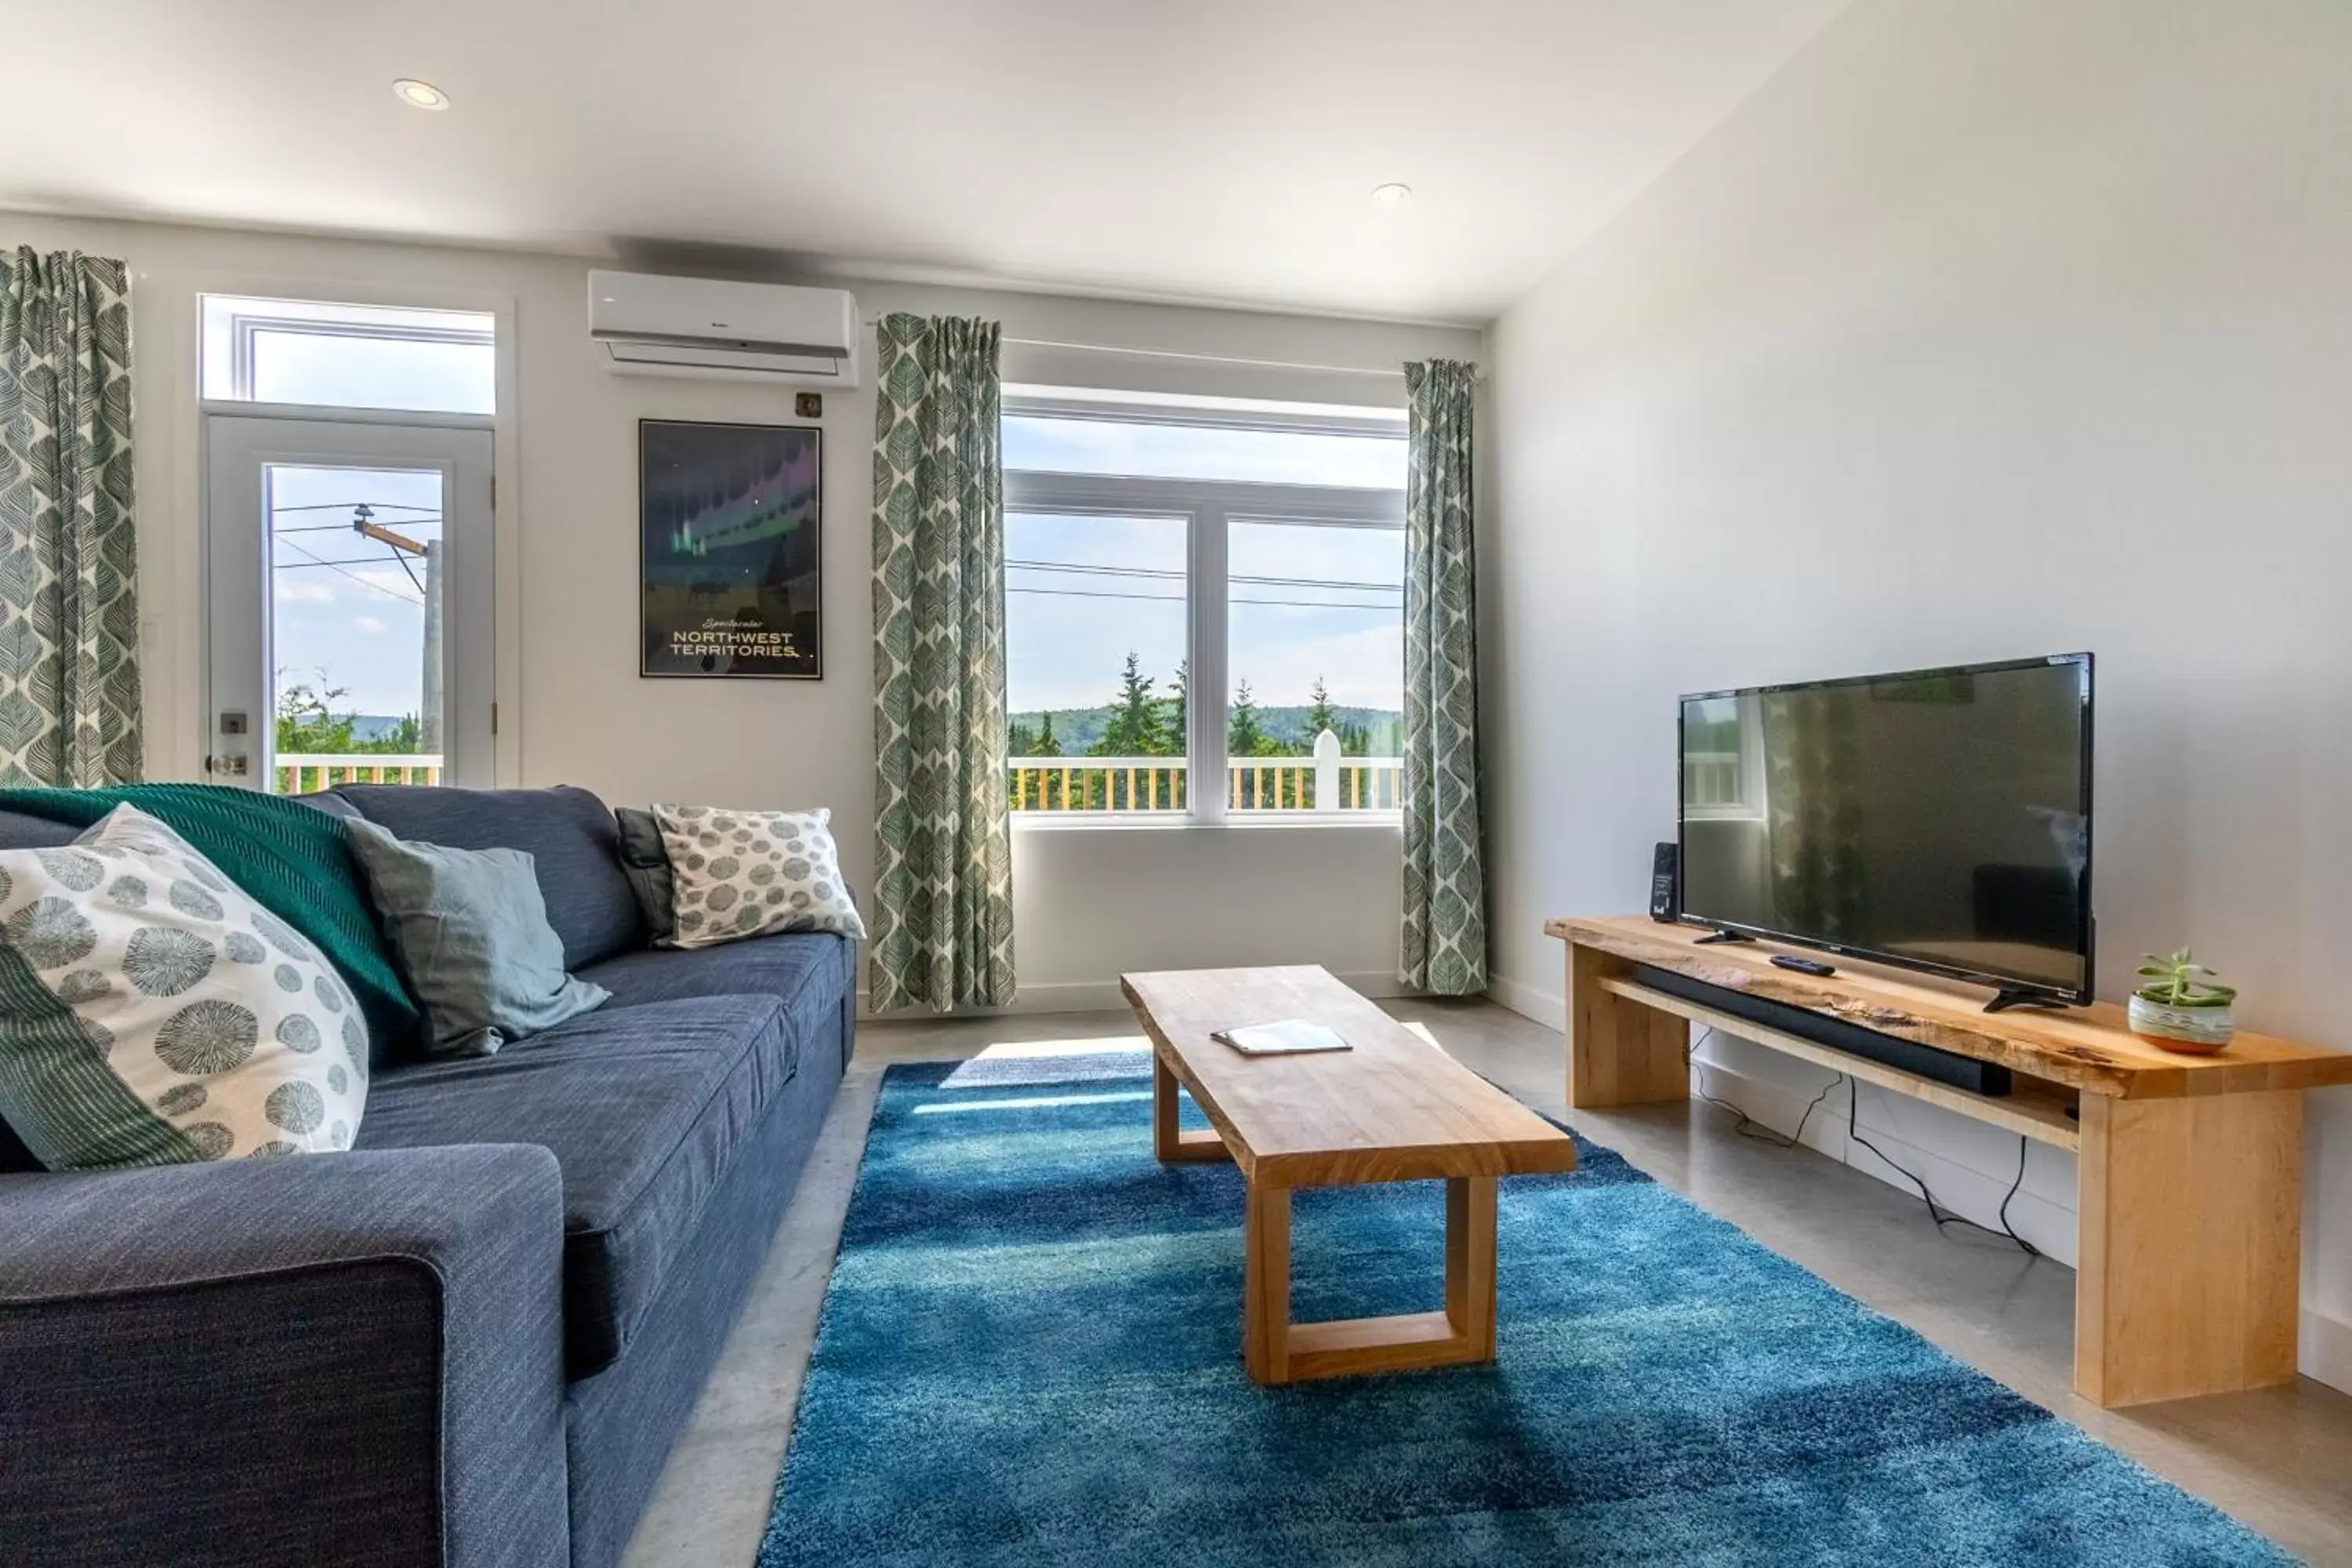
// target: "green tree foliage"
[[1047, 743], [307, 724], [1020, 741], [1243, 735], [1172, 727], [1136, 723], [1322, 715]]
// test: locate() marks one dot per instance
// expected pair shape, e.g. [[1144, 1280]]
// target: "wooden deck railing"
[[301, 772], [1324, 782]]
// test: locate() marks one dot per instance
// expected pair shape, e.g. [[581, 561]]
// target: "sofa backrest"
[[569, 834]]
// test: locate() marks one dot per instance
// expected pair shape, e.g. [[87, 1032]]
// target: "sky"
[[346, 612], [1081, 591]]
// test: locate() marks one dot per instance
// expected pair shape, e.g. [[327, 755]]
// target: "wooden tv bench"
[[2190, 1205]]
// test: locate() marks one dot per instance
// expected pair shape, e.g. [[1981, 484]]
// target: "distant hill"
[[1076, 728], [374, 726]]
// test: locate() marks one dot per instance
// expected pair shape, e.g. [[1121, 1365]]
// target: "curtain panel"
[[69, 561], [943, 864], [1443, 947]]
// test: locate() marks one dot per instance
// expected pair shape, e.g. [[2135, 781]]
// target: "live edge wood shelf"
[[2190, 1201]]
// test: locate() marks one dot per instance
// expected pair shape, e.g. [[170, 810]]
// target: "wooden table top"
[[2091, 1048], [1393, 1108]]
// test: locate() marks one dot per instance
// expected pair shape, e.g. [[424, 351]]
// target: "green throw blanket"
[[295, 860]]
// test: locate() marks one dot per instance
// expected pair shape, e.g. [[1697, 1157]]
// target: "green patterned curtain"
[[1444, 942], [943, 865], [68, 564]]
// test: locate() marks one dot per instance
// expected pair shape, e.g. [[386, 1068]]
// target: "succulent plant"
[[2180, 981]]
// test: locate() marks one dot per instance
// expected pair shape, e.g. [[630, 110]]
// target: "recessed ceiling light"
[[1390, 194], [419, 94]]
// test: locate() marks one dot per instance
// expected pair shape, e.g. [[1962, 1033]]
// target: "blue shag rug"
[[1031, 1354]]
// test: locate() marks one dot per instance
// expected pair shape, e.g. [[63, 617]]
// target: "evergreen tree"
[[1322, 715], [1173, 729], [1020, 741], [1046, 744], [1244, 737], [1134, 727]]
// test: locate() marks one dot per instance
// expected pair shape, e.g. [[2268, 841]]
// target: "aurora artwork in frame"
[[731, 565]]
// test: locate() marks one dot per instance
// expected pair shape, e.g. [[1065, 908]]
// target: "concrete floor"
[[2280, 1460]]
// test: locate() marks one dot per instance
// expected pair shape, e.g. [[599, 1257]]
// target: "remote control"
[[1804, 966]]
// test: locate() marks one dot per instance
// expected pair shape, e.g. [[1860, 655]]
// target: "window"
[[1154, 554], [1723, 758], [348, 357]]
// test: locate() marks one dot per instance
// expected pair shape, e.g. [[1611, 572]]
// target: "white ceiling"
[[1214, 150]]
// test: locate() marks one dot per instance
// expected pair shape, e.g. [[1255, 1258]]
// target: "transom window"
[[348, 357], [1156, 554]]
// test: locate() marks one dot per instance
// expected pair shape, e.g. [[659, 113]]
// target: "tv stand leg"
[[2189, 1244], [2003, 1001], [1713, 938], [1618, 1052]]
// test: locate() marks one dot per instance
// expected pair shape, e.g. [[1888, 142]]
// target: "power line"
[[346, 528], [347, 505], [1179, 599], [1343, 583], [338, 566]]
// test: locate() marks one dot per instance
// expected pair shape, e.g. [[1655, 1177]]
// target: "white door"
[[349, 601]]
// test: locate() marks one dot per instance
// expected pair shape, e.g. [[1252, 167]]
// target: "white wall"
[[1983, 330], [572, 706]]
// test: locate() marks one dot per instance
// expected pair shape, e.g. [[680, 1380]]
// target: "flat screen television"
[[1937, 819]]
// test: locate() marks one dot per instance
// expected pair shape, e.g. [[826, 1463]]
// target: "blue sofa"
[[471, 1341]]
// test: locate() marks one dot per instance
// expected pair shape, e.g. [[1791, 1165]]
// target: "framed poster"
[[730, 536]]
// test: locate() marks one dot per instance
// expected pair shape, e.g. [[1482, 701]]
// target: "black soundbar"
[[1987, 1079]]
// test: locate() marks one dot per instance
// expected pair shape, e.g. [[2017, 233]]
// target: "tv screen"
[[1939, 819]]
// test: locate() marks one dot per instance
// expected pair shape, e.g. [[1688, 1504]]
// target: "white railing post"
[[1327, 771]]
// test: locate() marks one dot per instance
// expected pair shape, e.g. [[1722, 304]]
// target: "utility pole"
[[429, 721]]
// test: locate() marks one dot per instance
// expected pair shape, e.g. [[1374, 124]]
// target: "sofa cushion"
[[644, 1108], [571, 837], [646, 864], [20, 831], [152, 1013], [470, 926], [810, 970]]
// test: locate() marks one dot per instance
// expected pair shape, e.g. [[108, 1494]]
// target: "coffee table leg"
[[1266, 1285], [1470, 1261], [1168, 1142]]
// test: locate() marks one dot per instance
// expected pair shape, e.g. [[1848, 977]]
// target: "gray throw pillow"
[[470, 927], [645, 863]]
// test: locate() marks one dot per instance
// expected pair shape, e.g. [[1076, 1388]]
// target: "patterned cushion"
[[152, 1013], [747, 873]]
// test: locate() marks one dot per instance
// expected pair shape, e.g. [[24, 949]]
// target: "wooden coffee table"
[[1393, 1108]]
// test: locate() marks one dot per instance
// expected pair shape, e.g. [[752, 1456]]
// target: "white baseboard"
[[1547, 1005], [2324, 1352], [1103, 997]]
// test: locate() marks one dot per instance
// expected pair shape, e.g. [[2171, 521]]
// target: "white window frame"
[[1206, 506], [244, 327]]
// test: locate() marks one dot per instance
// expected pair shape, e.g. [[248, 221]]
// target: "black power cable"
[[1934, 1211], [1746, 1124]]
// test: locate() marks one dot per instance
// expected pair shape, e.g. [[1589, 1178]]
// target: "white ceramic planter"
[[2197, 1030]]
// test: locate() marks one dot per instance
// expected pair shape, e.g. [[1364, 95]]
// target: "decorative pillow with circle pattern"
[[153, 1013], [752, 873]]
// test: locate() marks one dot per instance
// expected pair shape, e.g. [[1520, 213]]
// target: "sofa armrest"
[[350, 1358]]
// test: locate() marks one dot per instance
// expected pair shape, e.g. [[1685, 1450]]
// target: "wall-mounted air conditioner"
[[743, 332]]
